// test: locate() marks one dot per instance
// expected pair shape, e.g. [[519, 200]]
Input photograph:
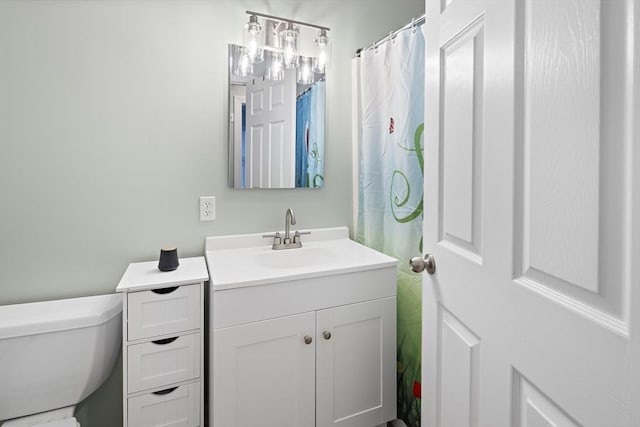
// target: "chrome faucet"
[[289, 220], [287, 242]]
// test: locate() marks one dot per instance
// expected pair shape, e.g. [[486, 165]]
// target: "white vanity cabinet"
[[163, 344], [332, 367], [307, 348]]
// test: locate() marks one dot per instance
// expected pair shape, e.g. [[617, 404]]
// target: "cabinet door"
[[356, 364], [264, 374]]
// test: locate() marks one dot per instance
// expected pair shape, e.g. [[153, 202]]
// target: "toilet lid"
[[47, 316]]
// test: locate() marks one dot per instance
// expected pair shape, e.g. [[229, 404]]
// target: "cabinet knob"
[[326, 335], [308, 339]]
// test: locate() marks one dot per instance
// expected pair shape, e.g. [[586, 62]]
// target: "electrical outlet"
[[207, 208]]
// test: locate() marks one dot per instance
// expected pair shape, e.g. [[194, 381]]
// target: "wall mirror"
[[276, 122]]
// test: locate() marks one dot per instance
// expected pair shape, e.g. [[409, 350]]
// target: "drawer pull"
[[167, 391], [165, 341], [163, 291]]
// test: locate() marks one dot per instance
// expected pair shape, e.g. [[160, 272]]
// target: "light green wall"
[[113, 123]]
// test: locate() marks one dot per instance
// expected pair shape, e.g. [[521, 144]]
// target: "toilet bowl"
[[53, 354]]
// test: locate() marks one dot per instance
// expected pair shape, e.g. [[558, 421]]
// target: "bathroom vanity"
[[163, 342], [302, 337]]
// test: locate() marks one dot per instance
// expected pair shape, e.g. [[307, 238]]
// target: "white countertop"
[[248, 260], [141, 276]]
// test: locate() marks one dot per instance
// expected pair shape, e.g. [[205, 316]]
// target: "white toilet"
[[53, 354]]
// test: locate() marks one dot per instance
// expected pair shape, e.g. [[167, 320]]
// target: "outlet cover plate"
[[207, 208]]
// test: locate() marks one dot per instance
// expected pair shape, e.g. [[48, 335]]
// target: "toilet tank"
[[56, 353]]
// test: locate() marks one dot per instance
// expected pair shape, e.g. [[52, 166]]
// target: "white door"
[[264, 373], [270, 132], [532, 200], [356, 364]]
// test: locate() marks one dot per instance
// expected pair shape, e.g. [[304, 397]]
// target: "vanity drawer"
[[156, 363], [163, 311], [175, 407]]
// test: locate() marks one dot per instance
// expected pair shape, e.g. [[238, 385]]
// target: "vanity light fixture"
[[279, 48]]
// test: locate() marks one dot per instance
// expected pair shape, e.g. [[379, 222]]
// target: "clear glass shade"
[[275, 65], [322, 52], [289, 43], [304, 74], [240, 62], [252, 40]]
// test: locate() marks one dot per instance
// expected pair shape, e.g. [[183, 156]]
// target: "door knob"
[[326, 335], [307, 339], [419, 264]]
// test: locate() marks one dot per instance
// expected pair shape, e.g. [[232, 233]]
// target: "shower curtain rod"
[[415, 22], [309, 88]]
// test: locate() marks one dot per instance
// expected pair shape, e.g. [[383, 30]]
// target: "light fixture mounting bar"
[[277, 18]]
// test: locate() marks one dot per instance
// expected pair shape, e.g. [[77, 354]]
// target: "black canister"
[[168, 259]]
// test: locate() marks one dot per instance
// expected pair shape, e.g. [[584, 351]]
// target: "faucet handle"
[[297, 234], [276, 237]]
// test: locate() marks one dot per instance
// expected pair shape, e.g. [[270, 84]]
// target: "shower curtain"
[[389, 117], [310, 136], [303, 116]]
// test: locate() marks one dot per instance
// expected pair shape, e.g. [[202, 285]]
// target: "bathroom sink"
[[249, 260], [304, 257]]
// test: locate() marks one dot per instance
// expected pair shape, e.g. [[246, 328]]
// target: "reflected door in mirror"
[[270, 128]]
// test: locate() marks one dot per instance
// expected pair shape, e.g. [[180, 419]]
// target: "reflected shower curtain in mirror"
[[303, 114], [389, 120], [310, 136]]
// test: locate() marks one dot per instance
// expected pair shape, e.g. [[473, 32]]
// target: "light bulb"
[[252, 47], [289, 53]]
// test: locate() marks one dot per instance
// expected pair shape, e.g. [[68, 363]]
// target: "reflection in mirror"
[[276, 122]]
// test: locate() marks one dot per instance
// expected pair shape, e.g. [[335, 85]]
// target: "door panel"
[[459, 358], [355, 378], [569, 140], [561, 137], [461, 143], [264, 374], [531, 408], [530, 152]]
